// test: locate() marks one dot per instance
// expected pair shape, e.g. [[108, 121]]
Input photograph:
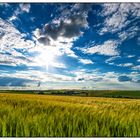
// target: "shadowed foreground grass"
[[66, 116]]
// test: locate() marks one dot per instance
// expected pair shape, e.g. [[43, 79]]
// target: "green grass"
[[68, 116], [114, 93]]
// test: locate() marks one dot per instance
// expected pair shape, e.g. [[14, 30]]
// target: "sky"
[[70, 46]]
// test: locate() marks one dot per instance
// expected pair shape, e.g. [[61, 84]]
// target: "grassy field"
[[68, 116], [82, 93]]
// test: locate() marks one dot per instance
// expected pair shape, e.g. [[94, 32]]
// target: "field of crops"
[[68, 116]]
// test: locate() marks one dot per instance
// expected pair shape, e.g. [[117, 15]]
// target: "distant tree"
[[41, 92]]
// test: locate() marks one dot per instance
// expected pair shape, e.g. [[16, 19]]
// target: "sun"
[[45, 58]]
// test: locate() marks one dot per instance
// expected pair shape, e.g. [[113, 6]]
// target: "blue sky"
[[65, 46]]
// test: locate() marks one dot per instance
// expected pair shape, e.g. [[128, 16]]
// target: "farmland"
[[34, 115], [82, 93]]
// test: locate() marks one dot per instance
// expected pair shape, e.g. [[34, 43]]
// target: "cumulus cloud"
[[80, 8], [126, 65], [117, 16], [108, 48], [85, 61], [57, 37], [83, 8], [22, 8], [44, 40], [62, 31], [129, 33], [67, 28], [108, 80], [117, 20], [25, 7], [12, 45], [15, 50], [83, 75]]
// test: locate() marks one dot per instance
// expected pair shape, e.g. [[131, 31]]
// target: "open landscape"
[[69, 69], [29, 115]]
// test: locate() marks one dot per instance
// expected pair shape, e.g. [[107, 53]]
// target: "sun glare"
[[46, 58]]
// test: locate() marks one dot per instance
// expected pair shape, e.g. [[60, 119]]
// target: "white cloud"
[[136, 67], [117, 16], [13, 48], [109, 8], [109, 61], [85, 61], [25, 7], [110, 77], [99, 79], [61, 32], [58, 65], [83, 75], [131, 56], [135, 76], [125, 65], [116, 20], [94, 76], [107, 48], [112, 59], [138, 60], [10, 43], [12, 18], [129, 33], [36, 75], [60, 46], [19, 10]]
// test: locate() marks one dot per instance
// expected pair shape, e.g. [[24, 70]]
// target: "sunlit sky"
[[65, 46]]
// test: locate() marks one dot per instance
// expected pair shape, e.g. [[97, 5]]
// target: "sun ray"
[[45, 58]]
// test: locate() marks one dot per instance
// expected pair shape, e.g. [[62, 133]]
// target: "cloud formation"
[[67, 28], [136, 67], [13, 45], [14, 81], [85, 61], [25, 7], [85, 45], [63, 31], [108, 48], [117, 16]]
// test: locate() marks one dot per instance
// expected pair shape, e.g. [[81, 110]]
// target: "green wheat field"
[[34, 115]]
